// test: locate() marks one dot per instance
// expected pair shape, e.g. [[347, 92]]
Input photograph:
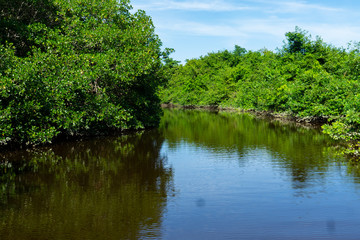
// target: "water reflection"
[[244, 178], [108, 188], [302, 152], [201, 175]]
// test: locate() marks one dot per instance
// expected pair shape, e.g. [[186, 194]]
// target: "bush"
[[93, 69], [305, 78]]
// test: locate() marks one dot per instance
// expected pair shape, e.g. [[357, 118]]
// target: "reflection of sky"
[[253, 195], [197, 27]]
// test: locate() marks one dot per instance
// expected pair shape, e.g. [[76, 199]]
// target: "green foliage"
[[297, 42], [92, 67], [305, 78], [17, 15]]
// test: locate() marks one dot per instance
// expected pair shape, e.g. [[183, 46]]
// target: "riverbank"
[[278, 116], [305, 81], [347, 148], [64, 138]]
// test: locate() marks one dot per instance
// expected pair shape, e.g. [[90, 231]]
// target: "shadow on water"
[[107, 188]]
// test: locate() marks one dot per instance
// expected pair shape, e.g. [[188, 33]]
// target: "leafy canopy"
[[76, 67]]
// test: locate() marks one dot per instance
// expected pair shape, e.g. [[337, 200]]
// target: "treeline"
[[70, 67], [306, 77]]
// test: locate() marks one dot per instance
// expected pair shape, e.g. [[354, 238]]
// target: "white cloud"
[[273, 27], [294, 6], [283, 6], [236, 28], [338, 35], [303, 6], [202, 29], [216, 6], [253, 24]]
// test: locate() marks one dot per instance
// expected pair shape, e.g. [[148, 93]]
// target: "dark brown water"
[[201, 175]]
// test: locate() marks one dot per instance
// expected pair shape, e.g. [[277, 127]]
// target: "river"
[[200, 175]]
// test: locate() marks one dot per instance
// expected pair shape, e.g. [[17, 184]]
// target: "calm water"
[[201, 175]]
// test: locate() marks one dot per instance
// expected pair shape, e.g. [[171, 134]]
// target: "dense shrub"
[[76, 67], [304, 78]]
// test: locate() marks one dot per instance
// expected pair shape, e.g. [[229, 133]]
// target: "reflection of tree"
[[353, 169], [102, 189], [299, 177], [298, 150]]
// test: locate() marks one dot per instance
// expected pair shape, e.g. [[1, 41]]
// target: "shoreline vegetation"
[[306, 80], [76, 68], [282, 117]]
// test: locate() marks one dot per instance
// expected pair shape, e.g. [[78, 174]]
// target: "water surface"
[[201, 175]]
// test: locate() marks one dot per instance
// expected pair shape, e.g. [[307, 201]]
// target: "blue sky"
[[196, 27]]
